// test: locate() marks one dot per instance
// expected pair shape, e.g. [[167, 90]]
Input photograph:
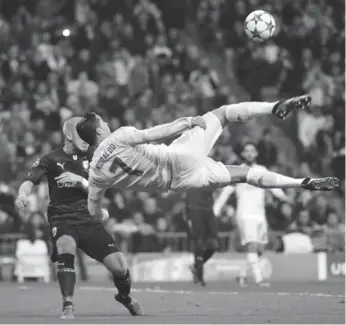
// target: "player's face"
[[104, 127], [249, 154]]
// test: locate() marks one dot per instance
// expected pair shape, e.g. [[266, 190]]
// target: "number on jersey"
[[128, 170]]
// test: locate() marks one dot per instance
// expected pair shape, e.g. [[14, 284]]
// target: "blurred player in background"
[[202, 229], [72, 227], [250, 214], [127, 159]]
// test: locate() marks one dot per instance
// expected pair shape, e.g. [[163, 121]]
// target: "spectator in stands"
[[338, 160], [205, 82], [39, 66], [267, 150], [85, 63], [85, 90], [303, 223], [144, 239], [335, 232]]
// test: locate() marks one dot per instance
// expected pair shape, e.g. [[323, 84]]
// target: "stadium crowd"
[[137, 63]]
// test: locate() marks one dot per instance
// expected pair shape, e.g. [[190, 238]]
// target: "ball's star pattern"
[[257, 17]]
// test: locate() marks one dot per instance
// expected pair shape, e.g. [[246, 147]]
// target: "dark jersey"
[[67, 201], [200, 200]]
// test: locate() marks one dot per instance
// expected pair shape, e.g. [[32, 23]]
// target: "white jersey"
[[250, 200], [121, 162]]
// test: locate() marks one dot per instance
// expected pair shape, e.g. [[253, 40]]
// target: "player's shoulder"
[[55, 155], [44, 159], [124, 130], [123, 133]]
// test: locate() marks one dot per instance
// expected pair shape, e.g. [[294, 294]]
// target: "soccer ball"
[[259, 25]]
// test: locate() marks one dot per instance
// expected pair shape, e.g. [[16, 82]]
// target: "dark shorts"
[[202, 226], [90, 237]]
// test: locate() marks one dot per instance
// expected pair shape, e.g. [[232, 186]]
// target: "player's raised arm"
[[95, 201], [280, 195], [222, 199], [93, 130], [38, 171], [168, 130]]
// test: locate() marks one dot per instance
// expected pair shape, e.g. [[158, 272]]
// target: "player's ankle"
[[67, 301]]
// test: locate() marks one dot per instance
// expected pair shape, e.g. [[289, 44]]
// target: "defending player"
[[66, 170], [202, 228], [250, 214], [125, 159]]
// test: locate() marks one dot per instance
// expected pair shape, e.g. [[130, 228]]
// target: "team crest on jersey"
[[86, 164], [36, 162]]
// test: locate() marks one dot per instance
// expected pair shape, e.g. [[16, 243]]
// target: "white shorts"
[[253, 230], [192, 168]]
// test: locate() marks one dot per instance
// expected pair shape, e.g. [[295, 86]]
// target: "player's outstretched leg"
[[116, 264], [245, 111], [66, 248], [263, 178]]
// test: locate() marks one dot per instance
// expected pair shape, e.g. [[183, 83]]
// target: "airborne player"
[[127, 159]]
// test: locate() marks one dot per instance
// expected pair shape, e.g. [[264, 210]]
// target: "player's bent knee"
[[66, 245], [238, 174], [240, 112], [116, 264]]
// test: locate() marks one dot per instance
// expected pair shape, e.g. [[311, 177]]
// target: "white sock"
[[254, 266], [243, 112], [265, 179]]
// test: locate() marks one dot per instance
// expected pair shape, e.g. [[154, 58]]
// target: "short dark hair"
[[87, 127], [249, 143]]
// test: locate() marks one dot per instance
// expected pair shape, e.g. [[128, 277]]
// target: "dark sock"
[[66, 275], [199, 261], [123, 284], [208, 253]]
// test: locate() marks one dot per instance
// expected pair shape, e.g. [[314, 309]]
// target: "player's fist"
[[21, 202], [198, 121], [69, 177]]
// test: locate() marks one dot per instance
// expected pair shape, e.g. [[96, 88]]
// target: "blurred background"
[[144, 62]]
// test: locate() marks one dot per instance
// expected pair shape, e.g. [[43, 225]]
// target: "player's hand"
[[69, 177], [21, 202], [105, 216], [198, 121]]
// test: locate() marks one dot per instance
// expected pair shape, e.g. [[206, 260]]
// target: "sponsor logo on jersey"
[[66, 184], [105, 155], [61, 165], [86, 164]]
